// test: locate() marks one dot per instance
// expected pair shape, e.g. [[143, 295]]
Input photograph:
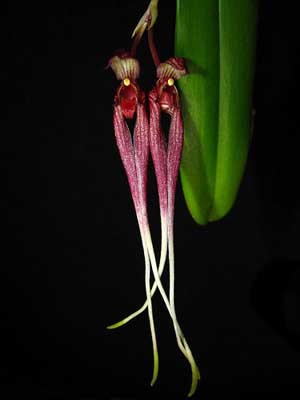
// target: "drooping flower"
[[134, 151], [166, 154]]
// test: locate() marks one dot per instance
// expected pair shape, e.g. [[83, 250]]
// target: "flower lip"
[[167, 95], [174, 68], [124, 65], [127, 96]]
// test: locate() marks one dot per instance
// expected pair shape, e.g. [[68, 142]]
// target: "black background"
[[71, 258]]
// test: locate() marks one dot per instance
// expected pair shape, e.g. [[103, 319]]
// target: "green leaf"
[[217, 38]]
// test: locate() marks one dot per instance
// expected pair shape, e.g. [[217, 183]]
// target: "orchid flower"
[[166, 155], [130, 100]]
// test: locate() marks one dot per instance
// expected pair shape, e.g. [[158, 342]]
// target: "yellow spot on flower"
[[126, 82], [170, 81]]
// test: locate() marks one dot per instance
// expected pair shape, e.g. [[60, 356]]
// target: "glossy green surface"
[[217, 38]]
